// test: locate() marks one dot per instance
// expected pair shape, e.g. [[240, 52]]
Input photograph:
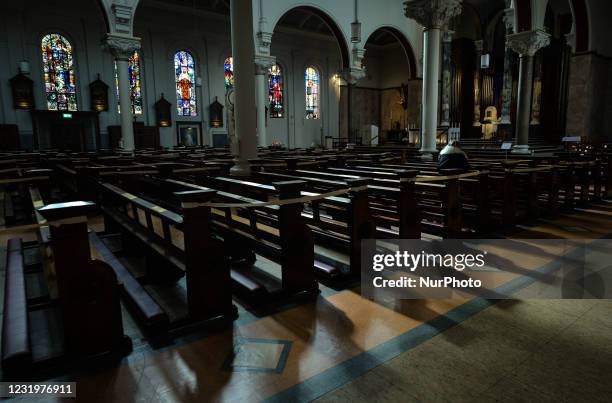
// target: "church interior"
[[192, 193]]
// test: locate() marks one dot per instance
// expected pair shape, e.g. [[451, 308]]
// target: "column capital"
[[351, 76], [263, 63], [529, 42], [264, 39], [122, 47], [479, 45], [432, 13]]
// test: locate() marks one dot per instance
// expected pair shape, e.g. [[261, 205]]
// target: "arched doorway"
[[389, 96], [310, 51]]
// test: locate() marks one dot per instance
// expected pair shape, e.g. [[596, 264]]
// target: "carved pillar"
[[478, 46], [432, 15], [122, 47], [526, 44], [508, 59], [262, 65], [447, 38], [241, 16]]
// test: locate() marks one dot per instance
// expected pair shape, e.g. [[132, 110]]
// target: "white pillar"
[[262, 65], [122, 48], [125, 105], [431, 72], [432, 15], [526, 44], [261, 94], [241, 12]]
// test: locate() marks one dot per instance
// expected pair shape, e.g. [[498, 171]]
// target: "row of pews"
[[176, 223]]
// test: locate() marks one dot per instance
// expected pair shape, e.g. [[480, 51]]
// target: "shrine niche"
[[98, 92], [163, 115], [22, 89], [215, 111]]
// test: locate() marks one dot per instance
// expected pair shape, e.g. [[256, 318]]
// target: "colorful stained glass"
[[312, 93], [275, 92], [135, 87], [184, 77], [229, 73], [58, 68]]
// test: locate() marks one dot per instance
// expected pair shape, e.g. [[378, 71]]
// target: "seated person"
[[453, 157]]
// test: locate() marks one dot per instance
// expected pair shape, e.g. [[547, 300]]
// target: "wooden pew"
[[147, 310], [173, 244], [16, 347], [435, 200], [255, 234], [87, 301], [349, 219]]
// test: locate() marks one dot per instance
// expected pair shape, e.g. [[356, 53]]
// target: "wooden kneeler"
[[88, 294]]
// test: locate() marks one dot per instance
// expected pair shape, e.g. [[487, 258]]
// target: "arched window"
[[312, 93], [275, 92], [135, 87], [58, 67], [184, 77], [229, 73]]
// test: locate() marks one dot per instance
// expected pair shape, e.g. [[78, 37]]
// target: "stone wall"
[[589, 97]]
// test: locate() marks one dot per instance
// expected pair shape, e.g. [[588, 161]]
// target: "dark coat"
[[453, 158]]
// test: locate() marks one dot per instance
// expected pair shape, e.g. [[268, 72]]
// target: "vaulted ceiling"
[[305, 20]]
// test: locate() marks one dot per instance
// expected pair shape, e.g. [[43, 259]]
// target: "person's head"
[[455, 143]]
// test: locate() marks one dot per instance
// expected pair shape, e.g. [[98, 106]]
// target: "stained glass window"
[[58, 67], [135, 88], [184, 77], [229, 73], [275, 93], [312, 93]]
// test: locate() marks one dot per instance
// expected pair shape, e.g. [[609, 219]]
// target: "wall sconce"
[[162, 112], [216, 114], [98, 91], [198, 81], [23, 92]]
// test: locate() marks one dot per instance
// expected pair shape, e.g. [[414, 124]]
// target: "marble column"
[[122, 48], [508, 59], [432, 15], [447, 39], [526, 44], [478, 46], [241, 17], [262, 65]]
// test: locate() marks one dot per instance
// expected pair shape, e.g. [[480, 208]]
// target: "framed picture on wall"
[[189, 134]]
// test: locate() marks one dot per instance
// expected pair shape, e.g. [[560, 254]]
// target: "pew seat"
[[16, 347], [138, 299]]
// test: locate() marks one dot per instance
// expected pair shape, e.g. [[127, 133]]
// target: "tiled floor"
[[346, 348]]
